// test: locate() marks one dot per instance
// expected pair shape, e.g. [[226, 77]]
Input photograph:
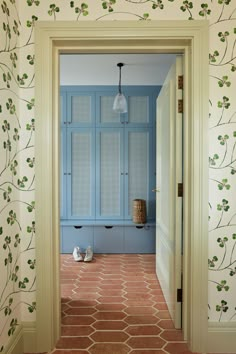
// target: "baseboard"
[[23, 340], [16, 343], [221, 338], [30, 342]]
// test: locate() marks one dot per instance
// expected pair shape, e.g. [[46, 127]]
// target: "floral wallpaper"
[[17, 159]]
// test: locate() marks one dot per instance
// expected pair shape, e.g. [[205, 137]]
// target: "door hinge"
[[180, 190], [179, 295], [180, 82], [180, 106]]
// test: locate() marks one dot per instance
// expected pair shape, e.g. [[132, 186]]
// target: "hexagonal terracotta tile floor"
[[114, 305]]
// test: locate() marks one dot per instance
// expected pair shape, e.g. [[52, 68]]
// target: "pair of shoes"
[[78, 256]]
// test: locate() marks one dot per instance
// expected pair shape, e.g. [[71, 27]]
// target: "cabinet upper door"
[[80, 109], [109, 173], [105, 116], [139, 110], [81, 173]]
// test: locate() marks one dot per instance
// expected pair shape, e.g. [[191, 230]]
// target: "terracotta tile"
[[147, 319], [109, 348], [110, 276], [111, 292], [172, 335], [109, 336], [137, 310], [146, 330], [74, 343], [71, 331], [161, 306], [110, 299], [110, 307], [111, 287], [77, 320], [146, 342], [143, 351], [138, 303], [166, 324], [156, 292], [84, 296], [112, 281], [82, 303], [61, 351], [158, 298], [163, 314], [110, 325], [137, 296], [106, 315], [80, 311], [174, 348], [140, 290], [136, 284]]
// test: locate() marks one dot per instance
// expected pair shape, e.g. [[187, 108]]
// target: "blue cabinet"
[[108, 159]]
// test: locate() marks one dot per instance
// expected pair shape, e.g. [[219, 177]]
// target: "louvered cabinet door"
[[138, 169], [81, 173], [109, 174]]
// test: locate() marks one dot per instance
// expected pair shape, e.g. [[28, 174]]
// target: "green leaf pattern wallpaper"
[[17, 158]]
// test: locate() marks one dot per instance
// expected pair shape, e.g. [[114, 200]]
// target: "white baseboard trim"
[[23, 340], [30, 342], [221, 338], [16, 343]]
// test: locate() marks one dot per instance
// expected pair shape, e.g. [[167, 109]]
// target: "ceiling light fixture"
[[120, 104]]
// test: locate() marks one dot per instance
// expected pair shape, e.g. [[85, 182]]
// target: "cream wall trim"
[[187, 37], [221, 338], [16, 344], [29, 337]]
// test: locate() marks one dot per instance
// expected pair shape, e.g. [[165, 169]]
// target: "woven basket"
[[139, 211]]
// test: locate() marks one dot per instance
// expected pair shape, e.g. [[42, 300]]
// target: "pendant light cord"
[[120, 81], [120, 66]]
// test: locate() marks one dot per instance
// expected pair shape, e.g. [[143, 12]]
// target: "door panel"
[[81, 173], [168, 204], [109, 173]]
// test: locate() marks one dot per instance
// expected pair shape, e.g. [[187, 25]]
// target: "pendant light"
[[120, 104]]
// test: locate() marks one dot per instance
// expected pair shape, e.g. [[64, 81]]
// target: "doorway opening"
[[108, 162], [122, 38]]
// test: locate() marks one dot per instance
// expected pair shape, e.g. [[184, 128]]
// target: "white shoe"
[[89, 254], [77, 255]]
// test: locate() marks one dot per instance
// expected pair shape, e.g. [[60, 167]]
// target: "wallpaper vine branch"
[[17, 160]]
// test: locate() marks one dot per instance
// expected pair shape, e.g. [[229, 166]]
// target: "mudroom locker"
[[107, 161]]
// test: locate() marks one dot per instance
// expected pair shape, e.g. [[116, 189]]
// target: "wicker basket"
[[139, 211]]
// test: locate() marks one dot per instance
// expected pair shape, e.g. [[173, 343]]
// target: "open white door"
[[168, 185]]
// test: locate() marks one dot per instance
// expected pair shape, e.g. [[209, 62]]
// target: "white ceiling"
[[101, 69]]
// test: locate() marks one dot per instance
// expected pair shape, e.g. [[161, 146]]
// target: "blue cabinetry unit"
[[108, 159]]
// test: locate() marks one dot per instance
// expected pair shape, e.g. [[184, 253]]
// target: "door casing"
[[187, 37]]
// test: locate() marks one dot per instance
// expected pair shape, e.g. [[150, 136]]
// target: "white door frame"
[[187, 37]]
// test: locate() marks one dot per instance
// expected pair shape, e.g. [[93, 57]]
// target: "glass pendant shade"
[[120, 104]]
